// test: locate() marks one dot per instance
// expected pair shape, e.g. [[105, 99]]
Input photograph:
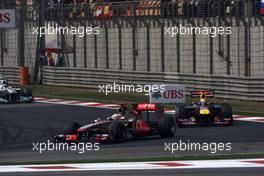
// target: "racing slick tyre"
[[116, 131], [71, 128], [181, 113], [166, 127], [4, 95], [227, 112], [134, 133], [27, 92]]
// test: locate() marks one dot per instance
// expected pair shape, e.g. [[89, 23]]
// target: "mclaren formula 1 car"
[[131, 121], [203, 112], [14, 95]]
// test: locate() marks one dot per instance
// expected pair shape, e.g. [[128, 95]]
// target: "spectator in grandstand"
[[169, 8], [50, 59], [180, 7], [60, 61], [221, 7], [193, 7], [239, 8], [6, 3], [254, 7], [186, 8], [212, 8], [18, 2], [202, 8], [43, 59]]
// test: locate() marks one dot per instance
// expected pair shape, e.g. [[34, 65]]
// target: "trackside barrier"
[[11, 73], [24, 76], [240, 88]]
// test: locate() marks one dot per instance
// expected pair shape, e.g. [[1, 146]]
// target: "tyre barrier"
[[24, 76]]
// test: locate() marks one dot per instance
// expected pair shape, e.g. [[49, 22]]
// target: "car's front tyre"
[[166, 127], [227, 112], [116, 131]]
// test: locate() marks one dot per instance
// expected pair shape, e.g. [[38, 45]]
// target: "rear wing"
[[140, 107], [207, 93], [145, 107]]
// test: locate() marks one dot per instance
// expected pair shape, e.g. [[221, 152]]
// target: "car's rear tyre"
[[227, 112], [135, 133], [180, 113], [116, 131], [166, 127], [27, 92], [4, 95], [71, 128]]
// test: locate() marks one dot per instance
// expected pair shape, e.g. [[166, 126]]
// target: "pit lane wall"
[[242, 88]]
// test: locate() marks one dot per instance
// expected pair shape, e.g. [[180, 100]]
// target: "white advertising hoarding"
[[168, 94], [7, 18]]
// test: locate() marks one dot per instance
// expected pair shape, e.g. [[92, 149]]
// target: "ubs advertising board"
[[7, 18], [168, 94]]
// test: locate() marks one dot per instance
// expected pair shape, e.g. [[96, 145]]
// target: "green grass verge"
[[176, 158], [251, 108]]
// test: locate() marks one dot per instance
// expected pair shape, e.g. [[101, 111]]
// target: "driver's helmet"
[[123, 109], [115, 116], [3, 82], [203, 102]]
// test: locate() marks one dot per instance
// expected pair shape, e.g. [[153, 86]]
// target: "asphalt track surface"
[[24, 124]]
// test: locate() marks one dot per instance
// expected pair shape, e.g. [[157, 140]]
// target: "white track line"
[[243, 163]]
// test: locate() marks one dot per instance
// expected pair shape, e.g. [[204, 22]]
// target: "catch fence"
[[139, 36]]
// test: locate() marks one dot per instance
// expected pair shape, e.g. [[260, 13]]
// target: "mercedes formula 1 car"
[[14, 95], [203, 112], [131, 121]]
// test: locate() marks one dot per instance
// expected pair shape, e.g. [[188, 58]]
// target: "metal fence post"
[[228, 59], [162, 49], [194, 52], [178, 53], [40, 42], [62, 37], [74, 50], [249, 50], [21, 59], [247, 59], [211, 55], [2, 38], [85, 49], [134, 47], [120, 47], [106, 46], [148, 48], [95, 52], [134, 36]]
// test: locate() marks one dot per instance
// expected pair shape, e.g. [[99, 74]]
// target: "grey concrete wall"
[[242, 88]]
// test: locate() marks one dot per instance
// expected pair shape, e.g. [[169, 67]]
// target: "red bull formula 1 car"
[[204, 112], [131, 121]]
